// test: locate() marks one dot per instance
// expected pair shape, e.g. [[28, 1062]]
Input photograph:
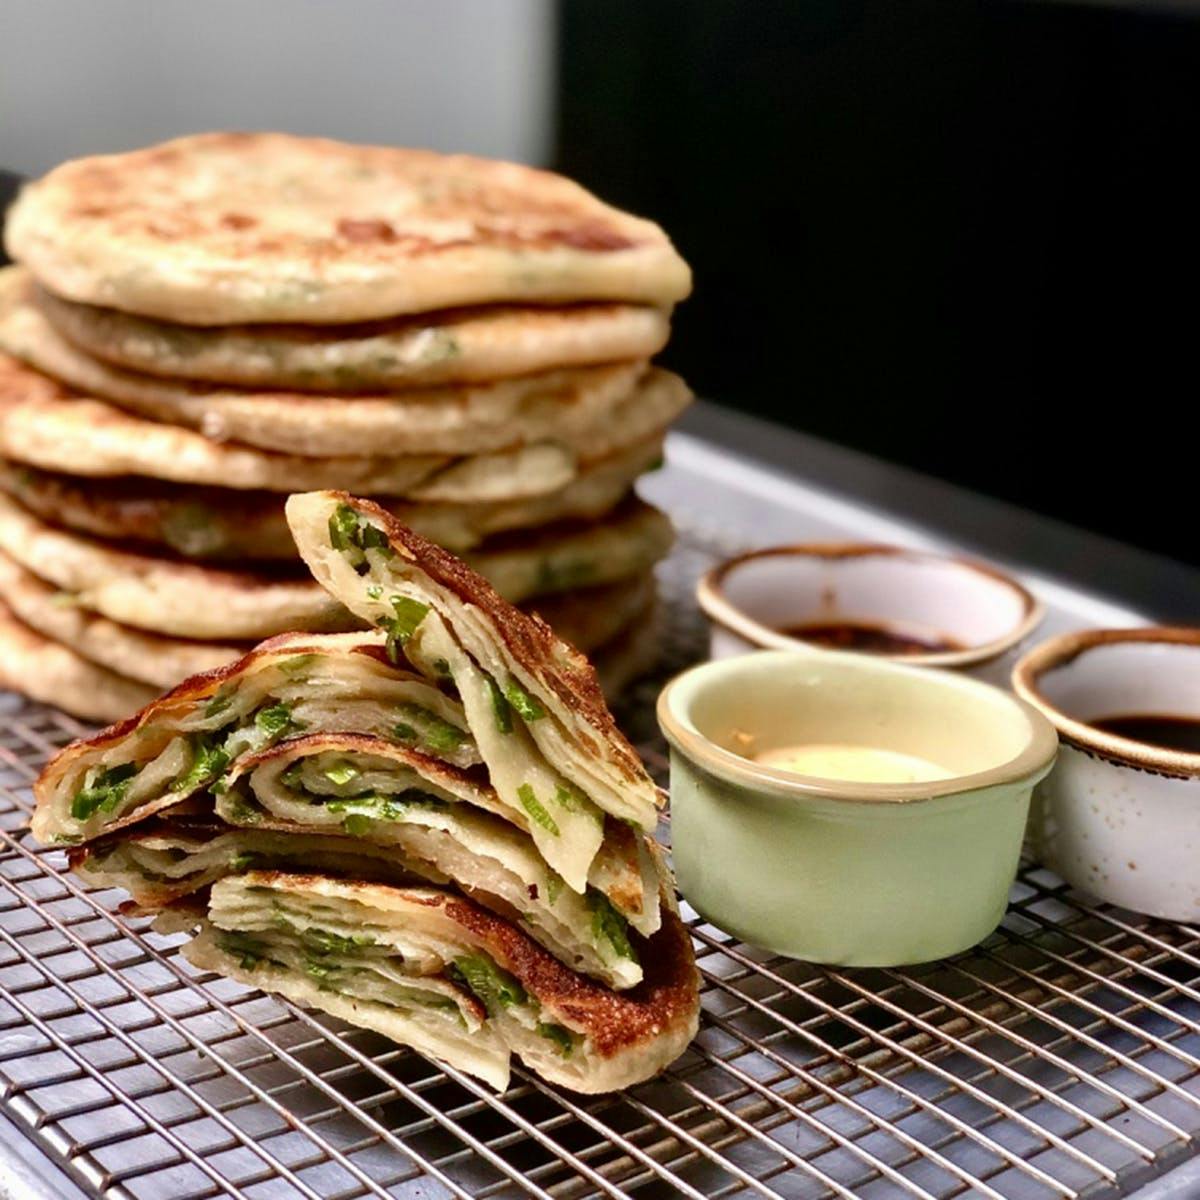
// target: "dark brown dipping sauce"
[[1156, 729], [869, 638]]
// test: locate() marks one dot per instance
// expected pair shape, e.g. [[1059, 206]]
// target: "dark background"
[[956, 235]]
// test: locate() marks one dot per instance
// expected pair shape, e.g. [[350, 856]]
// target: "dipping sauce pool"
[[870, 637], [1157, 729], [862, 764]]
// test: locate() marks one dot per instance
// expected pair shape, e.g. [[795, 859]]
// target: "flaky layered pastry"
[[365, 808]]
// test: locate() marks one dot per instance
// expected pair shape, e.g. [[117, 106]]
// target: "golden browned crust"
[[560, 668], [665, 1002]]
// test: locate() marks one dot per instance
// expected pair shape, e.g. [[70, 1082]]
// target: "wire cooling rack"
[[1061, 1058]]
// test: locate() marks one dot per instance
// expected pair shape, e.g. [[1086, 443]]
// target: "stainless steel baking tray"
[[1060, 1058]]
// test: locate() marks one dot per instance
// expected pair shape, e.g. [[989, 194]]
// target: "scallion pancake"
[[186, 599], [223, 228], [354, 807], [153, 659], [44, 424], [164, 595], [588, 411], [532, 701], [402, 739], [49, 672], [425, 350], [207, 522], [430, 969]]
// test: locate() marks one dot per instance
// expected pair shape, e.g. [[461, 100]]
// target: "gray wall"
[[87, 76]]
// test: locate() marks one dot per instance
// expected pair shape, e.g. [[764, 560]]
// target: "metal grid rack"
[[1061, 1058]]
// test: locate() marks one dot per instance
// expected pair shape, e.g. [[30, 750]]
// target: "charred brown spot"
[[366, 230], [594, 236], [160, 156], [590, 236], [237, 221]]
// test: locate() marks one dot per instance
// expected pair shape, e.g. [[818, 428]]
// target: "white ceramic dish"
[[932, 597], [1118, 818]]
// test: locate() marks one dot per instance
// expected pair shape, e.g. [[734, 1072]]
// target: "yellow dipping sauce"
[[861, 764]]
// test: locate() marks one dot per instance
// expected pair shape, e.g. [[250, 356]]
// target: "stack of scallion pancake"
[[197, 329], [432, 829]]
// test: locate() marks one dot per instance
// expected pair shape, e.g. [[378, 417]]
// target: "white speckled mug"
[[1118, 818]]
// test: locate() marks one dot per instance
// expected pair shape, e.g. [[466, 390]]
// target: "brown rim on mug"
[[1064, 649], [723, 612]]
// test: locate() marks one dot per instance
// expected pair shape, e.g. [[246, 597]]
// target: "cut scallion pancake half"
[[437, 972]]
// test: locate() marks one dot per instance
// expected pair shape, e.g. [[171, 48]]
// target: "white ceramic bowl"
[[933, 597], [1118, 818]]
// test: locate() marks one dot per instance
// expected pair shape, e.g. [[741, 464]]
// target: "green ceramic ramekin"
[[857, 874]]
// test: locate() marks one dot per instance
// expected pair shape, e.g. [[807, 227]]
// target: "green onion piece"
[[559, 1035], [433, 732], [296, 664], [404, 733], [554, 887], [104, 792], [241, 812], [208, 761], [249, 951], [497, 989], [276, 720], [573, 799], [409, 614], [352, 534], [341, 773], [537, 814], [500, 706], [325, 941], [373, 538], [318, 970], [343, 528], [528, 706], [357, 825], [607, 923], [383, 808], [242, 862], [220, 701]]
